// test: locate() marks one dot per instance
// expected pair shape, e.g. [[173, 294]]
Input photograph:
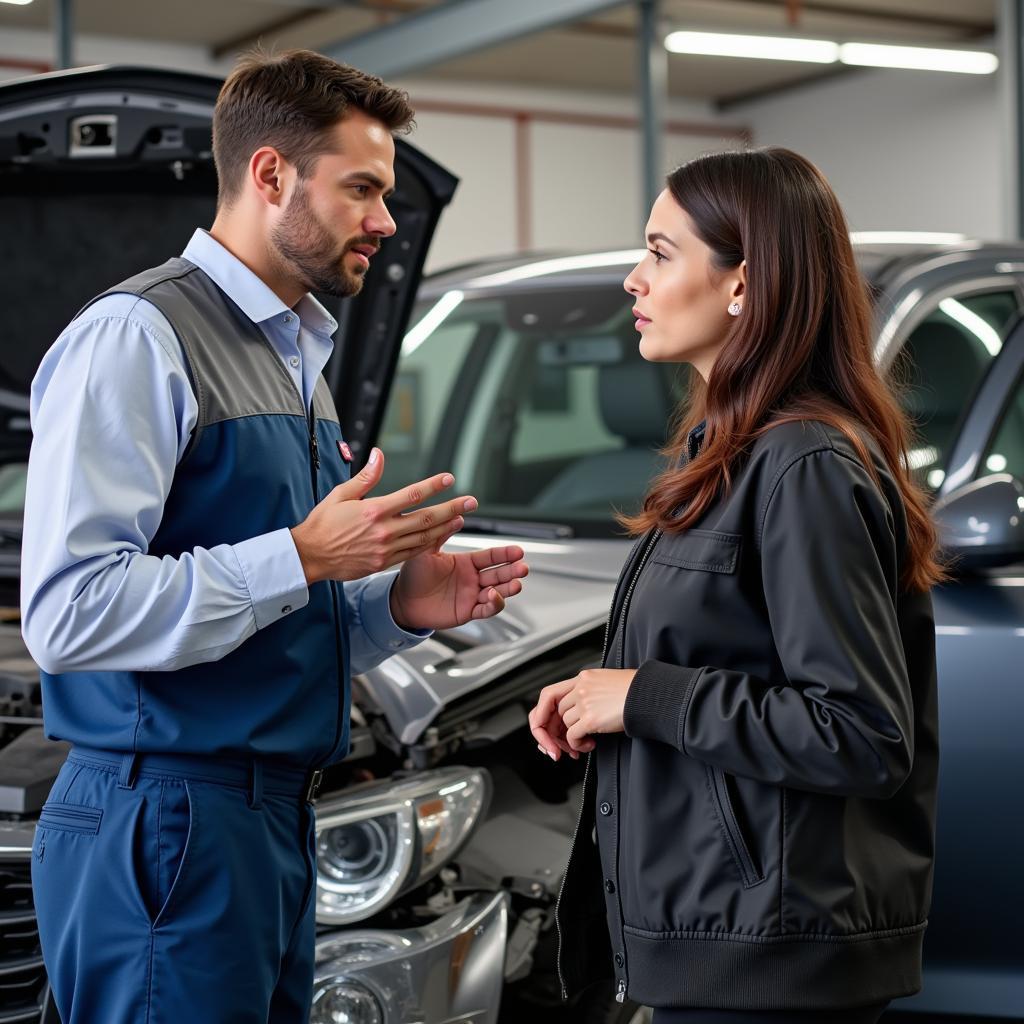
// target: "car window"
[[941, 365], [1005, 454], [540, 403]]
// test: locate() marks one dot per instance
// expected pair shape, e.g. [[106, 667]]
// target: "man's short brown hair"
[[291, 101]]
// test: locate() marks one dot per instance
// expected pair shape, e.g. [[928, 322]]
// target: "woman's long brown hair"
[[801, 350]]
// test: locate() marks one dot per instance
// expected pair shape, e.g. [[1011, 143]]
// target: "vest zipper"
[[620, 995], [314, 463]]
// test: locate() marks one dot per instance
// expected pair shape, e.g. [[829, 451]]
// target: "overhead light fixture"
[[19, 3], [824, 51], [720, 44], [919, 58]]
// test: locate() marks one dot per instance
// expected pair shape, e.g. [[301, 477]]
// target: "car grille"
[[23, 983]]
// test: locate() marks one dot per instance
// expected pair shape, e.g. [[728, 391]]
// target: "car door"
[[962, 370]]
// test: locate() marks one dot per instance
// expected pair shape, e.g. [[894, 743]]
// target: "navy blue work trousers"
[[168, 894]]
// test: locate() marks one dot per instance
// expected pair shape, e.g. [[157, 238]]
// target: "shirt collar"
[[248, 291]]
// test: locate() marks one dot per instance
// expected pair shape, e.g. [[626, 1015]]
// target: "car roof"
[[876, 253]]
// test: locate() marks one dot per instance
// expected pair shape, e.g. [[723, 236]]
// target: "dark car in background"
[[442, 837]]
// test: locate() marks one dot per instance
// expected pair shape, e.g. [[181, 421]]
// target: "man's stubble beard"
[[309, 252]]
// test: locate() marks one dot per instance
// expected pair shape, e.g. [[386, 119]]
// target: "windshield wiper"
[[518, 527]]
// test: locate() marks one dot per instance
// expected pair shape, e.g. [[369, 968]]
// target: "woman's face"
[[682, 301]]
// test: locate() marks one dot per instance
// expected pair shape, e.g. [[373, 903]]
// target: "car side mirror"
[[981, 525]]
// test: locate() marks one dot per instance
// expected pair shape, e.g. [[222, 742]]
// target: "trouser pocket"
[[161, 836], [70, 818]]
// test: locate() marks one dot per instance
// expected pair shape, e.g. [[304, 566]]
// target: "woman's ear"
[[739, 287]]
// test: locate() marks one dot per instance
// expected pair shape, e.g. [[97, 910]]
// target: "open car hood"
[[106, 171]]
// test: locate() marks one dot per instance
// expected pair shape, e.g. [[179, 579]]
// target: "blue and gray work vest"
[[252, 466]]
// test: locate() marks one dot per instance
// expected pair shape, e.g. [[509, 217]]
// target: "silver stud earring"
[[735, 309]]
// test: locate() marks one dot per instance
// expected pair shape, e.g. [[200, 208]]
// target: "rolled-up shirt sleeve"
[[112, 413]]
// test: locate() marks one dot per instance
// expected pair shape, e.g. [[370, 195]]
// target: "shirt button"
[[619, 959], [606, 808], [286, 609], [288, 318], [609, 885], [294, 361], [396, 644]]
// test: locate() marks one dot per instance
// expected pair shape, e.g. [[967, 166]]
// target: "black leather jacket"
[[765, 826]]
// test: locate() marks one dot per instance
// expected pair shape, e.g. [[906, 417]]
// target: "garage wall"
[[544, 169], [902, 149]]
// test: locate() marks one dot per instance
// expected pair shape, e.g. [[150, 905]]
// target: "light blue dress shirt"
[[112, 411]]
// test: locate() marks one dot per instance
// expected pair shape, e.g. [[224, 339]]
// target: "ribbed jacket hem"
[[800, 972]]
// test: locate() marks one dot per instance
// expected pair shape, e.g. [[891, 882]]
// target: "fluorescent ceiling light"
[[906, 237], [20, 3], [720, 44], [824, 51], [919, 58]]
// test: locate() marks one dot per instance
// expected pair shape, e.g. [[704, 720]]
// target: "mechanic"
[[764, 724], [197, 584]]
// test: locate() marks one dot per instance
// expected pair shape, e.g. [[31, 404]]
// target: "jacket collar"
[[694, 440]]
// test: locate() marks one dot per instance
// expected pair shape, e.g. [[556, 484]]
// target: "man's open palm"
[[438, 590]]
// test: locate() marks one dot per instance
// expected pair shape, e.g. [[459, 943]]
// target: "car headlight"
[[343, 1001], [388, 837]]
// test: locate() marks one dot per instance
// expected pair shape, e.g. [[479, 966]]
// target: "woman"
[[759, 808]]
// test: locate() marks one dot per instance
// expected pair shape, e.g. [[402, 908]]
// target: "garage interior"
[[560, 120]]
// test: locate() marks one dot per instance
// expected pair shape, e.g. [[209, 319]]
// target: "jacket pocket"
[[751, 873], [705, 550], [70, 818]]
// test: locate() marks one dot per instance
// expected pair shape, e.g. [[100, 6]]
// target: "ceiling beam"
[[454, 29]]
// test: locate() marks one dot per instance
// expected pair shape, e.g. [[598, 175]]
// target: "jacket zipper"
[[620, 995]]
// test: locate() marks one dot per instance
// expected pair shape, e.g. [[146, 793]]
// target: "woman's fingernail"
[[471, 505], [447, 480], [374, 455]]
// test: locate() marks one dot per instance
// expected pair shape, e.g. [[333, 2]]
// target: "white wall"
[[574, 156], [31, 45], [903, 149]]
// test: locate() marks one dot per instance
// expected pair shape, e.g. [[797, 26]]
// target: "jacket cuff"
[[656, 702]]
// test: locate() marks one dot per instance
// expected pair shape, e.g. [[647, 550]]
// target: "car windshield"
[[538, 401]]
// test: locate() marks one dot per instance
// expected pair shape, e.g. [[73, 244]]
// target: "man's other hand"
[[437, 590]]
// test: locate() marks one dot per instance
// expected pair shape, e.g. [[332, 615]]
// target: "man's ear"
[[268, 175]]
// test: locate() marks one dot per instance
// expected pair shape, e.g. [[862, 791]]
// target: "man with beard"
[[199, 571]]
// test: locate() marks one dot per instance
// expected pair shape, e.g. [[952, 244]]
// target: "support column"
[[652, 62], [1011, 35], [63, 32]]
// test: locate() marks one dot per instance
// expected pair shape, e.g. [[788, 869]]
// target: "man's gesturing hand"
[[345, 538]]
